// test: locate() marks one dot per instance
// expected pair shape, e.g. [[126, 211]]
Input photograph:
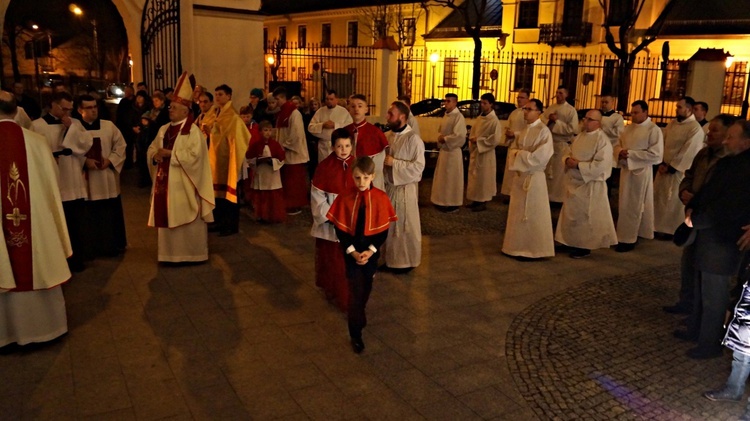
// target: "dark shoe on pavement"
[[702, 353], [580, 253], [400, 271], [227, 233], [480, 207], [624, 247], [447, 209], [684, 335], [722, 395], [357, 345], [472, 205], [663, 236], [676, 309]]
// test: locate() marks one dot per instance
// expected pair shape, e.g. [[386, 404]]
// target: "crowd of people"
[[203, 159]]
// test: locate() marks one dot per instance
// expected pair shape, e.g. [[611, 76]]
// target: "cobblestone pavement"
[[604, 350], [249, 336]]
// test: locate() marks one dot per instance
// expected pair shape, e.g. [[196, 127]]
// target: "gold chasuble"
[[229, 141]]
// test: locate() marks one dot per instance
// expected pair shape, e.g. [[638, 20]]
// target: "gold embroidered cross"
[[16, 217]]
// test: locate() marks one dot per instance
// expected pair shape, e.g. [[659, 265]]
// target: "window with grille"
[[528, 14], [524, 75], [410, 29], [450, 71], [282, 35], [484, 75], [325, 35], [609, 77], [301, 73], [352, 34], [674, 80], [281, 73], [734, 84], [301, 36]]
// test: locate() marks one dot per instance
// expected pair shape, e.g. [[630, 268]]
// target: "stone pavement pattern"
[[248, 335]]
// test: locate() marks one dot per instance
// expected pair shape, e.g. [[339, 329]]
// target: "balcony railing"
[[565, 33]]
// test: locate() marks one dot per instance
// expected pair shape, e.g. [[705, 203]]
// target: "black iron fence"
[[347, 70], [432, 74]]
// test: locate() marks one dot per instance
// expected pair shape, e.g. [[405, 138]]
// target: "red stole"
[[282, 120], [161, 184], [369, 139], [334, 175], [16, 200], [379, 212]]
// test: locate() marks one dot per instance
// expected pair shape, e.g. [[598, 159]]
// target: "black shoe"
[[357, 345], [676, 309], [227, 233], [684, 335], [447, 209], [479, 208], [580, 253], [400, 271], [722, 395], [472, 205], [624, 247], [702, 353], [663, 236]]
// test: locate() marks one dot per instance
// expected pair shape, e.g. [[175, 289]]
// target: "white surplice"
[[528, 232], [403, 248], [516, 123], [414, 124], [482, 183], [585, 218], [645, 146], [105, 183], [71, 178], [448, 182], [340, 117], [563, 131]]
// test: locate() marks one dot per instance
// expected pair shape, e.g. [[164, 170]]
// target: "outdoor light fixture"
[[75, 9], [270, 60], [35, 27], [434, 57], [729, 61], [501, 41]]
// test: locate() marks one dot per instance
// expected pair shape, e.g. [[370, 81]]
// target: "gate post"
[[385, 85], [706, 78]]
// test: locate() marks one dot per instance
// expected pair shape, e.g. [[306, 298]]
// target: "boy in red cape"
[[361, 219]]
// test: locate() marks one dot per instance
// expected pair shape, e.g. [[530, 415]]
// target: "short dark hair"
[[538, 104], [85, 97], [451, 95], [689, 100], [208, 95], [59, 96], [527, 91], [726, 120], [640, 103], [8, 107], [359, 97], [340, 134], [745, 125], [167, 90], [365, 165], [488, 97], [279, 91], [402, 108], [247, 109], [224, 87], [144, 84], [606, 94], [328, 92], [702, 104], [265, 124], [405, 98]]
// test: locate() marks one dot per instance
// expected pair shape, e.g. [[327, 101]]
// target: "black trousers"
[[75, 219], [360, 286], [227, 215], [104, 228]]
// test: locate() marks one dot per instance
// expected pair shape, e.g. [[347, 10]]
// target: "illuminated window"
[[301, 36], [524, 76], [528, 14], [352, 34], [734, 84], [674, 81], [325, 36], [450, 71]]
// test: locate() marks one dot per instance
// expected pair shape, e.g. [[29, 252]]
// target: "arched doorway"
[[47, 40], [161, 43]]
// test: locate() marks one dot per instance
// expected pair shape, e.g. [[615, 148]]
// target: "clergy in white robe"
[[585, 221], [53, 127], [182, 199], [327, 119], [414, 124], [291, 135], [485, 135], [34, 241], [516, 123], [448, 182], [102, 146], [683, 138], [528, 231], [22, 118], [639, 148], [562, 120], [403, 168], [612, 122]]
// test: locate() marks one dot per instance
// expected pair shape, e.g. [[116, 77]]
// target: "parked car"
[[469, 108]]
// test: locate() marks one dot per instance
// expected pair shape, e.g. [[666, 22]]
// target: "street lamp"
[[434, 57], [79, 12]]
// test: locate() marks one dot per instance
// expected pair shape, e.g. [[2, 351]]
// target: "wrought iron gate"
[[160, 41]]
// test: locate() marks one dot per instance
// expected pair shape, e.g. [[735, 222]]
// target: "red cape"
[[282, 120], [378, 215], [370, 140], [334, 175], [255, 149]]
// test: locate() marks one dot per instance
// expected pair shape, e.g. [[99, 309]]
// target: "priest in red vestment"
[[34, 240], [182, 200], [361, 218], [368, 139], [333, 176]]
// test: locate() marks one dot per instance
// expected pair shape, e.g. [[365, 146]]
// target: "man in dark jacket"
[[717, 213]]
